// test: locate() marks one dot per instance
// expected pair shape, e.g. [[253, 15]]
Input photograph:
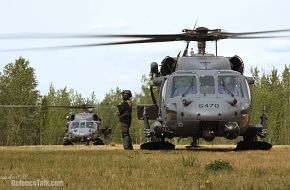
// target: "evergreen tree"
[[18, 87], [55, 118], [270, 93]]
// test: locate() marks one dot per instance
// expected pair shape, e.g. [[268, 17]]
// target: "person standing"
[[125, 118]]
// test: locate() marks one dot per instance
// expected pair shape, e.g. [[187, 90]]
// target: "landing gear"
[[257, 145], [155, 131], [250, 140], [193, 144], [66, 141], [251, 136], [157, 144], [99, 141], [252, 143]]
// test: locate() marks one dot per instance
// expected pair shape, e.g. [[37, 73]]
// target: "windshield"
[[90, 124], [184, 85], [230, 85], [207, 85], [75, 125], [83, 125]]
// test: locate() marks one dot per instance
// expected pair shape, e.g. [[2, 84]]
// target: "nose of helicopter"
[[215, 110], [82, 133], [215, 117]]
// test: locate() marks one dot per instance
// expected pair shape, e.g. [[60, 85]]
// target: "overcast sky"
[[100, 69]]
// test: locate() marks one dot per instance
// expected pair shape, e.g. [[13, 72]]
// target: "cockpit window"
[[75, 125], [207, 85], [90, 125], [184, 85], [82, 124], [230, 85]]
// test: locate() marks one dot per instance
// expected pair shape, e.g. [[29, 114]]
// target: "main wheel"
[[157, 144], [252, 143], [99, 142]]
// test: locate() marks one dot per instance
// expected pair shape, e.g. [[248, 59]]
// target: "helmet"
[[126, 94]]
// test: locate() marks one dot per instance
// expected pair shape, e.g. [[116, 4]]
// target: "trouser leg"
[[127, 141]]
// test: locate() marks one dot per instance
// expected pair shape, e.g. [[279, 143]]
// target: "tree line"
[[44, 125], [272, 94]]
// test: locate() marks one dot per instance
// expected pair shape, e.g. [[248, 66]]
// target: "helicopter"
[[201, 95], [85, 127], [81, 127]]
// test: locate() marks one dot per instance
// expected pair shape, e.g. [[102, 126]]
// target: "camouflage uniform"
[[125, 118]]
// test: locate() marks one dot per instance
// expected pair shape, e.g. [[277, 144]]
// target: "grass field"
[[110, 167]]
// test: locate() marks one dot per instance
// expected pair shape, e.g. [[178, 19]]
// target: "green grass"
[[88, 167], [217, 165]]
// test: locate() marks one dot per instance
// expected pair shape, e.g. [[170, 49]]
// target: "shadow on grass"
[[207, 149]]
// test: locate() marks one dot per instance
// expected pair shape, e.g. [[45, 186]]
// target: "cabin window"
[[230, 85], [207, 85], [183, 85]]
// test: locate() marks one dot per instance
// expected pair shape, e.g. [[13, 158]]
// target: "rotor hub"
[[202, 30]]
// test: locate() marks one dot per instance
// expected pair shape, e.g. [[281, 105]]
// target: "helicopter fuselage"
[[83, 128], [205, 106], [201, 96]]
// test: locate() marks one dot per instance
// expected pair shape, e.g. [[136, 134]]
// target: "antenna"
[[185, 52], [195, 23]]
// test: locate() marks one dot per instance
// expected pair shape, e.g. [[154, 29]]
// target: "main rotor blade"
[[159, 36], [64, 36], [199, 34], [258, 37], [257, 32], [92, 45]]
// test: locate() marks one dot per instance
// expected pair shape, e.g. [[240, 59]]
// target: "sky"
[[101, 69]]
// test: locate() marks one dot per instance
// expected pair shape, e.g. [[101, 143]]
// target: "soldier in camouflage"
[[125, 118]]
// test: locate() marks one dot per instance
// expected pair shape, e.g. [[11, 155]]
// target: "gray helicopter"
[[85, 127], [201, 96]]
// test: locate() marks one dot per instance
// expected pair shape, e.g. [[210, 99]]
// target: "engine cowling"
[[72, 117], [168, 66], [96, 117], [237, 64]]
